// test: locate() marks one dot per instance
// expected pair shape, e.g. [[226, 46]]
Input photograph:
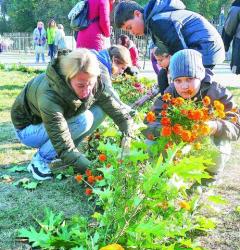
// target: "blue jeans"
[[38, 56], [52, 50], [79, 126]]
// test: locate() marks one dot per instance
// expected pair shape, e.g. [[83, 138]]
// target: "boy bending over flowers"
[[214, 113]]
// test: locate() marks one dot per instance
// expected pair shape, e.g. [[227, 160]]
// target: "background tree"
[[24, 14]]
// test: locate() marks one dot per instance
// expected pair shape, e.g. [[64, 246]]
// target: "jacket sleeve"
[[226, 128], [169, 33], [59, 134], [104, 17], [117, 111], [230, 27], [106, 79]]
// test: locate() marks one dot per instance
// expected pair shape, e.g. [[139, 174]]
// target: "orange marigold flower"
[[88, 191], [204, 129], [91, 179], [102, 157], [173, 101], [183, 204], [88, 172], [166, 97], [195, 127], [164, 113], [184, 112], [98, 178], [220, 114], [177, 129], [151, 117], [206, 101], [186, 135], [166, 131], [165, 121], [179, 101], [195, 115], [234, 119], [150, 136], [78, 178], [164, 106]]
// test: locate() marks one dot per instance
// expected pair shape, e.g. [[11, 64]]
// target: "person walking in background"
[[51, 33], [93, 37], [125, 41], [39, 39], [168, 22], [221, 17], [231, 32], [60, 39]]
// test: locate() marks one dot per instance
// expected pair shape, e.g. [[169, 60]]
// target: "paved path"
[[222, 71]]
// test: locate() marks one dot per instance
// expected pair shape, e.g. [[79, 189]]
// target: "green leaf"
[[217, 199], [18, 169], [238, 209], [31, 185], [111, 132], [137, 155], [109, 148], [204, 223], [21, 182], [51, 220], [190, 168], [38, 239]]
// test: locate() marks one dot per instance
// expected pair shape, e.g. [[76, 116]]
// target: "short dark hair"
[[161, 50], [124, 11]]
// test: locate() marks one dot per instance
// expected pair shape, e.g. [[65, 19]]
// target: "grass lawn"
[[19, 206]]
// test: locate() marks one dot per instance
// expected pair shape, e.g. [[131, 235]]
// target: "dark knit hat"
[[187, 63]]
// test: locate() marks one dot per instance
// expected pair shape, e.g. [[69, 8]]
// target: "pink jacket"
[[93, 36], [134, 54]]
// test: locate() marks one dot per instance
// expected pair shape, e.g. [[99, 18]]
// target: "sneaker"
[[39, 169]]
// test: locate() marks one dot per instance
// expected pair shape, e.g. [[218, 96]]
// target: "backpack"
[[78, 16]]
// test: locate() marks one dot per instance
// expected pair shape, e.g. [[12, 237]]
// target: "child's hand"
[[213, 126]]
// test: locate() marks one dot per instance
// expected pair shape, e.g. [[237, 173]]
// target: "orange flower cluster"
[[151, 117], [89, 177], [185, 120]]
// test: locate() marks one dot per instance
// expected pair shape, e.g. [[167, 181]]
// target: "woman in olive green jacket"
[[57, 109]]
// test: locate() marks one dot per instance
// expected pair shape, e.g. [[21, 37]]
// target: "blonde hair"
[[79, 60], [121, 55]]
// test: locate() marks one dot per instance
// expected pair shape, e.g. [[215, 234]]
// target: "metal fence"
[[23, 42]]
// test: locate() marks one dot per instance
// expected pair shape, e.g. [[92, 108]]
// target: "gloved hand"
[[125, 145], [84, 163]]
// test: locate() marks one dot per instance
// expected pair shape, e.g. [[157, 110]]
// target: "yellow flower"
[[112, 247], [183, 204], [220, 114], [218, 105]]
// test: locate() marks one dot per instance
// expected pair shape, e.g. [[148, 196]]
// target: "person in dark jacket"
[[231, 32], [170, 23], [192, 81], [57, 109], [163, 57]]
